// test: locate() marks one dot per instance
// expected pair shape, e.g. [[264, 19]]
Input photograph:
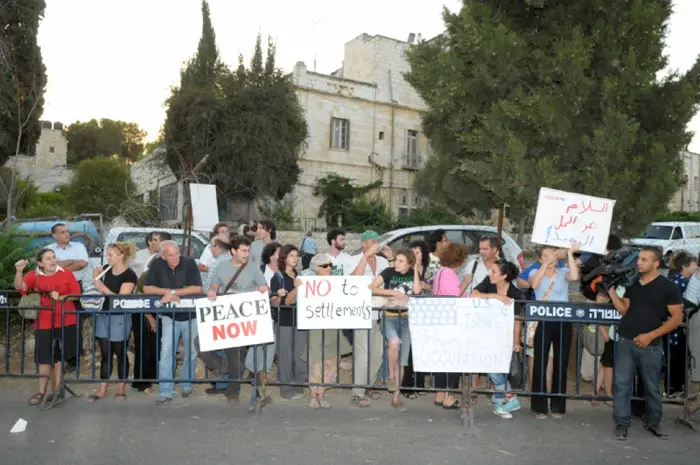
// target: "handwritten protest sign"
[[334, 302], [565, 217], [235, 320], [461, 335]]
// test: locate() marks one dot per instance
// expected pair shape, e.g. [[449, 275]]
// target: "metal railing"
[[560, 323]]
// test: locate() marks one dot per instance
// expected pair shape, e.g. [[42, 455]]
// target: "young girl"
[[499, 285]]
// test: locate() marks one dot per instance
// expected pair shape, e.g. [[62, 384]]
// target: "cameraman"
[[644, 309]]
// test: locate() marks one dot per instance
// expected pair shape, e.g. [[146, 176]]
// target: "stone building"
[[687, 198], [47, 167], [364, 123]]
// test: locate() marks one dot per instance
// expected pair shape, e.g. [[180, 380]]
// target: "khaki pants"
[[368, 351], [694, 347]]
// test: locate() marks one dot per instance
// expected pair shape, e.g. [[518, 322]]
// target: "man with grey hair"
[[174, 276]]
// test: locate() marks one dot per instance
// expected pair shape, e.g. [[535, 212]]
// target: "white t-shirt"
[[342, 264], [479, 275], [382, 264], [141, 260], [206, 258]]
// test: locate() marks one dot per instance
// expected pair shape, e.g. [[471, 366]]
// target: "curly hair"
[[453, 255]]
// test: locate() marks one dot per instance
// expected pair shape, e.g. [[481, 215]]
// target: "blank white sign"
[[205, 210]]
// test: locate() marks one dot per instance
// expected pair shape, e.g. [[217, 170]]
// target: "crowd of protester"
[[252, 260]]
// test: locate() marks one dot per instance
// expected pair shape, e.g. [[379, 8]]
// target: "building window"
[[404, 212], [167, 202], [52, 149], [340, 134], [416, 199], [403, 197], [412, 144]]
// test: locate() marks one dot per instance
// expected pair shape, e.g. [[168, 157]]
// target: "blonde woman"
[[112, 331]]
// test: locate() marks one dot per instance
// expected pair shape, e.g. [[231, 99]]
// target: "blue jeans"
[[172, 330], [500, 384], [649, 360]]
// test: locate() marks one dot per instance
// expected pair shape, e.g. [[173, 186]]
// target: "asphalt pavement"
[[204, 430]]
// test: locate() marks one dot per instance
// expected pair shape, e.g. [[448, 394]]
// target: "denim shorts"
[[390, 327]]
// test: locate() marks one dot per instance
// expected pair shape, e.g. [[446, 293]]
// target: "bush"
[[427, 216], [280, 211], [48, 204], [680, 216], [100, 185], [366, 213], [13, 247]]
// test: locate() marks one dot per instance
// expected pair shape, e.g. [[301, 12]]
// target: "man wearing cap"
[[368, 345]]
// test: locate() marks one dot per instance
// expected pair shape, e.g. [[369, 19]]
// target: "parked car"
[[670, 236], [462, 234], [138, 237], [84, 232]]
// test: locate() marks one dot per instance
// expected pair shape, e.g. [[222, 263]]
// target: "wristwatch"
[[172, 292]]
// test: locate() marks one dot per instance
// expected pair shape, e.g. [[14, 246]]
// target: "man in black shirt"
[[644, 309], [173, 277]]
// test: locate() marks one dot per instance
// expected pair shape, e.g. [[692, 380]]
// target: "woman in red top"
[[56, 332]]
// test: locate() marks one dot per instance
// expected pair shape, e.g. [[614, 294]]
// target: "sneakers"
[[161, 401], [621, 433], [506, 409]]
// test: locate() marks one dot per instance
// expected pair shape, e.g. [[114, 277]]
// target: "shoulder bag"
[[30, 299], [235, 277], [589, 340], [93, 300]]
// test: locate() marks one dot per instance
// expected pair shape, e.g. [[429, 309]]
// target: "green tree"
[[104, 138], [533, 93], [248, 121], [22, 82], [338, 193], [100, 185]]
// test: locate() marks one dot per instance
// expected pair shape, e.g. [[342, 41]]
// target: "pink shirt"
[[446, 282]]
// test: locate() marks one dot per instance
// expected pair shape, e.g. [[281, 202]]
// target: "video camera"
[[600, 273]]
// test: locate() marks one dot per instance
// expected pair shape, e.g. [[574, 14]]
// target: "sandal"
[[120, 398], [374, 395], [541, 416], [411, 395], [360, 401], [398, 405], [93, 398], [314, 403], [456, 405], [37, 398], [324, 404]]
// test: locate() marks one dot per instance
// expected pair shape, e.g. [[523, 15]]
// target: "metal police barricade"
[[559, 313]]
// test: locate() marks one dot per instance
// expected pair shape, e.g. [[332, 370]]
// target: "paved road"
[[205, 431]]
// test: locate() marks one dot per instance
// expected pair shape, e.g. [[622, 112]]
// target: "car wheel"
[[667, 260]]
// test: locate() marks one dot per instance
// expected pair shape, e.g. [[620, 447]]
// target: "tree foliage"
[[337, 193], [104, 138], [526, 94], [248, 121], [100, 185], [22, 77]]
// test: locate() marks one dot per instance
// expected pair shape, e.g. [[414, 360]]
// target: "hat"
[[369, 236]]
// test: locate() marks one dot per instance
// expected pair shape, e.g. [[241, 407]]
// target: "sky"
[[118, 59]]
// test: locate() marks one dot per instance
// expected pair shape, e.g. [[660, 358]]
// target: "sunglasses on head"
[[325, 265]]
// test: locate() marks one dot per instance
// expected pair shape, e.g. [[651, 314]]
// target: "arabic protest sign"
[[234, 320], [565, 217], [461, 335], [334, 302]]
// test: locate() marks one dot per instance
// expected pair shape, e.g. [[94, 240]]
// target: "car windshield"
[[658, 232]]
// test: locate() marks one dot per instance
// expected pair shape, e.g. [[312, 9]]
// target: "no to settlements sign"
[[334, 302], [235, 320]]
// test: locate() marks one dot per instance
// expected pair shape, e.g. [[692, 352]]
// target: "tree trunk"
[[521, 233], [499, 233]]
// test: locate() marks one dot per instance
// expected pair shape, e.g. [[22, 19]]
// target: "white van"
[[671, 236]]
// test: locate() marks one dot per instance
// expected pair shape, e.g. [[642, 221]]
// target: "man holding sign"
[[232, 277]]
